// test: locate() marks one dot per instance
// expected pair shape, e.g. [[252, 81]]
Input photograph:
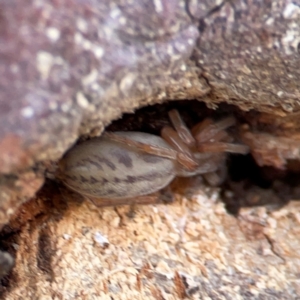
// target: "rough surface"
[[192, 247], [249, 54], [68, 68]]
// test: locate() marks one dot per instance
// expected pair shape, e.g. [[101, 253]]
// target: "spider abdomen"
[[104, 168]]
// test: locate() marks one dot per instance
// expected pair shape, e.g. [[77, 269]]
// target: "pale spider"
[[125, 167]]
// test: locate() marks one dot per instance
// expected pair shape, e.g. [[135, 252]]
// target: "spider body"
[[101, 167], [122, 165]]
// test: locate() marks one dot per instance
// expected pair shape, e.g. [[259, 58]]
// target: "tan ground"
[[192, 248]]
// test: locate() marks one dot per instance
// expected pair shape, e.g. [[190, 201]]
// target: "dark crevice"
[[251, 185], [8, 244]]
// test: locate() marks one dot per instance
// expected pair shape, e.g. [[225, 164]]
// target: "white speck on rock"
[[170, 50], [100, 239], [44, 61], [115, 13], [53, 34], [65, 107], [191, 42], [82, 25], [158, 6], [86, 44], [78, 38], [291, 11], [90, 78], [95, 86], [122, 21], [27, 112], [98, 51], [81, 100], [127, 82], [280, 93], [183, 67], [290, 40], [270, 21], [288, 37], [10, 212], [66, 236]]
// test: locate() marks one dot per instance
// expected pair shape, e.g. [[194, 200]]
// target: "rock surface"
[[190, 248]]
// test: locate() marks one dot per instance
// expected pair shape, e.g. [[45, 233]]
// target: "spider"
[[126, 167]]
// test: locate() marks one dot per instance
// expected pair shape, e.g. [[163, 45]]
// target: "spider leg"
[[207, 130], [163, 196], [217, 147], [147, 148], [220, 136], [183, 158], [105, 202], [212, 137], [201, 126], [172, 137], [184, 155], [183, 132]]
